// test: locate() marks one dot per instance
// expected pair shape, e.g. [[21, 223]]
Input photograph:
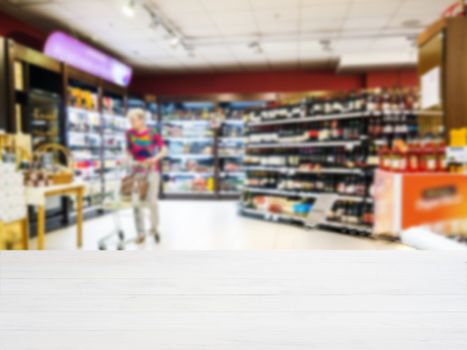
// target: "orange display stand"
[[403, 201]]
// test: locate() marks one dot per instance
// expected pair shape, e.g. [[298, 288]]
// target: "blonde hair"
[[137, 113]]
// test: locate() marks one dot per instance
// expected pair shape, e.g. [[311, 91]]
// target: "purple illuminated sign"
[[71, 51]]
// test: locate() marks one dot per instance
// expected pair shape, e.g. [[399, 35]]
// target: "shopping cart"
[[116, 204]]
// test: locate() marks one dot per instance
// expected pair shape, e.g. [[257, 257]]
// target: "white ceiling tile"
[[220, 30], [319, 3], [277, 17], [178, 6], [310, 46], [371, 9], [391, 44], [322, 26], [352, 45], [232, 18], [215, 51], [249, 30], [324, 12], [225, 6], [431, 7], [365, 24], [274, 4], [279, 28]]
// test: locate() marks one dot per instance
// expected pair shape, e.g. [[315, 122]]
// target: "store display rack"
[[57, 103], [206, 148], [326, 146], [95, 133], [34, 94]]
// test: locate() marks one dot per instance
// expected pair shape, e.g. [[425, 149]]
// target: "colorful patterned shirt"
[[144, 144]]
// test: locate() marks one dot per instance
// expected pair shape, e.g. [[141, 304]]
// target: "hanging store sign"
[[73, 52]]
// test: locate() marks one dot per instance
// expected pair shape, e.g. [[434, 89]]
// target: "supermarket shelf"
[[232, 173], [186, 122], [272, 216], [190, 156], [84, 146], [347, 227], [297, 171], [305, 144], [234, 122], [350, 198], [189, 193], [189, 139], [81, 110], [281, 193], [320, 118], [301, 194], [229, 193], [187, 173], [317, 118], [111, 115], [233, 139], [231, 155], [78, 132]]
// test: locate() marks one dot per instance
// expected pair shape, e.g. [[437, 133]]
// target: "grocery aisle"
[[209, 225]]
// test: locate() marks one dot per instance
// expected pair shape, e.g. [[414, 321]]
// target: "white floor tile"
[[210, 225]]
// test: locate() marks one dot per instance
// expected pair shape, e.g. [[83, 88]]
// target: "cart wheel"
[[121, 246], [121, 235], [102, 247]]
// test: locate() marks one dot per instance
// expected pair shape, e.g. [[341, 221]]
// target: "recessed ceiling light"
[[326, 45], [412, 23], [129, 9], [174, 42], [256, 47]]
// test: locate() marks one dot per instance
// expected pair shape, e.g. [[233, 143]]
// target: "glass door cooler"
[[231, 146], [84, 139], [115, 125], [189, 168]]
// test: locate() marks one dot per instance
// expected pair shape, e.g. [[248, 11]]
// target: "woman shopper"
[[145, 148]]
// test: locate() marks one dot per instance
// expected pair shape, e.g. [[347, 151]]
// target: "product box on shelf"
[[403, 201], [13, 213]]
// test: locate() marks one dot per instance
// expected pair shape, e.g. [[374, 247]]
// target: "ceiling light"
[[326, 45], [129, 9], [174, 42], [256, 47], [172, 33]]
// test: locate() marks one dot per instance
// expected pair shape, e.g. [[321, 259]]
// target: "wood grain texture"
[[233, 300]]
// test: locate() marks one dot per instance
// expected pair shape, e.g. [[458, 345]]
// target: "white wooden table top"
[[233, 300], [37, 195]]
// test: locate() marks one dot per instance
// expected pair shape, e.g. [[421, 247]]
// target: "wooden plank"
[[235, 303], [25, 54], [4, 112], [456, 74], [233, 300], [431, 31], [41, 227], [255, 336]]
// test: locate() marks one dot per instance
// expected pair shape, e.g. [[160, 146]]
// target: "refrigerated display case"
[[38, 103], [231, 145], [114, 127], [189, 168], [84, 139]]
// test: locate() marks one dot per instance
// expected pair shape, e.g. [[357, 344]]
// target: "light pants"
[[151, 203]]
